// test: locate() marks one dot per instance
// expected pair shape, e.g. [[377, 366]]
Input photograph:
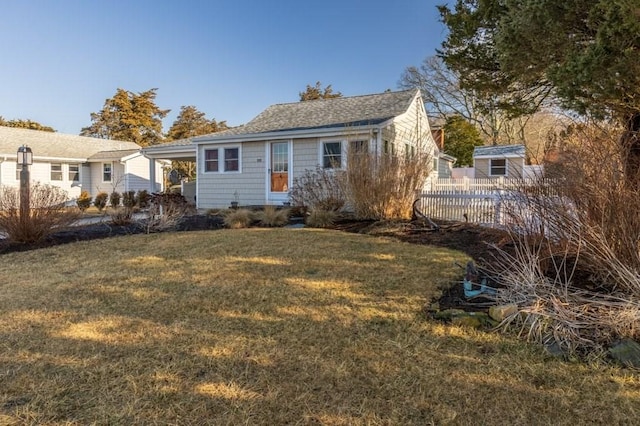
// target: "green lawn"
[[256, 326]]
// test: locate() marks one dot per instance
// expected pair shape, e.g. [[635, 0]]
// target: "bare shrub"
[[272, 217], [47, 214], [121, 216], [575, 273], [238, 218], [384, 186], [166, 210], [319, 218], [318, 189]]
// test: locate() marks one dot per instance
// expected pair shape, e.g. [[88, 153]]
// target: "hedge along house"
[[256, 163], [506, 161], [77, 163]]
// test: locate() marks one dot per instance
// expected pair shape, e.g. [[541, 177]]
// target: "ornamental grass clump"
[[238, 218], [46, 215], [318, 218], [271, 217], [575, 269]]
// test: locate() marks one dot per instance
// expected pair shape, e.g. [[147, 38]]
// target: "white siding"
[[216, 190], [137, 174], [117, 178], [41, 172]]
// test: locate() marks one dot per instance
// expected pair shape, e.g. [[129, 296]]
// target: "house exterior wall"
[[482, 167], [306, 155], [117, 178], [40, 171], [136, 174], [217, 189]]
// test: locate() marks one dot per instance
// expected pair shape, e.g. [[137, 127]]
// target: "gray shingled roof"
[[326, 113], [113, 155], [56, 145], [499, 150]]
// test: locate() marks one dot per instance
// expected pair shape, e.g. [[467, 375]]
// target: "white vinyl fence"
[[481, 201]]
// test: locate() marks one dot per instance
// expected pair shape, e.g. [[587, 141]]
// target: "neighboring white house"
[[257, 163], [77, 163]]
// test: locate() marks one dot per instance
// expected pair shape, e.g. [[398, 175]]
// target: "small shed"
[[499, 161]]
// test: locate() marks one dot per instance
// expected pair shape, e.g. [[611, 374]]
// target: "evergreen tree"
[[317, 92], [191, 122], [129, 116], [583, 51], [460, 138], [25, 124]]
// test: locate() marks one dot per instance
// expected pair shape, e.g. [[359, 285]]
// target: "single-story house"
[[499, 161], [256, 163], [78, 163]]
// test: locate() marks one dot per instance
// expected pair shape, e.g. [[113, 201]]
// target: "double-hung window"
[[211, 161], [56, 171], [222, 160], [107, 172], [332, 155], [74, 172], [498, 167], [231, 159]]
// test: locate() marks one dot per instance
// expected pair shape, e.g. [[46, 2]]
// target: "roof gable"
[[326, 113], [57, 145]]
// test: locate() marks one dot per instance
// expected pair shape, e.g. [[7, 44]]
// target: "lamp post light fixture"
[[25, 159]]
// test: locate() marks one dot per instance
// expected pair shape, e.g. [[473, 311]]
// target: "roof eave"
[[288, 134]]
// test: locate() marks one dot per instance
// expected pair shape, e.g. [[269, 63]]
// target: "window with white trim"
[[231, 159], [211, 162], [56, 171], [107, 172], [498, 167], [332, 155], [74, 172], [219, 160]]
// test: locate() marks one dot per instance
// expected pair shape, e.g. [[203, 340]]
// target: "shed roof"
[[499, 151], [56, 145]]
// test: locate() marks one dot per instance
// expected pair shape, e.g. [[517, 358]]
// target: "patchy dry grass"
[[273, 327]]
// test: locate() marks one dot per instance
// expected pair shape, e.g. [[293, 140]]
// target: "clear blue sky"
[[61, 59]]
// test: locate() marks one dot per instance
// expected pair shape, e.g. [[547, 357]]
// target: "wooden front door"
[[280, 167]]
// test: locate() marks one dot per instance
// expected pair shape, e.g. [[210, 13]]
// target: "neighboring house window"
[[222, 160], [56, 171], [211, 160], [498, 167], [331, 155], [409, 151], [106, 172], [74, 172], [389, 148], [231, 159]]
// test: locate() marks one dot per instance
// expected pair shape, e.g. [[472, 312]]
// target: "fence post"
[[497, 199]]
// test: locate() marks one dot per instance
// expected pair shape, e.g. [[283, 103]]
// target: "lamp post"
[[25, 159]]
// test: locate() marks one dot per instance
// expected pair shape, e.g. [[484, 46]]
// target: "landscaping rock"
[[627, 353], [499, 313]]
